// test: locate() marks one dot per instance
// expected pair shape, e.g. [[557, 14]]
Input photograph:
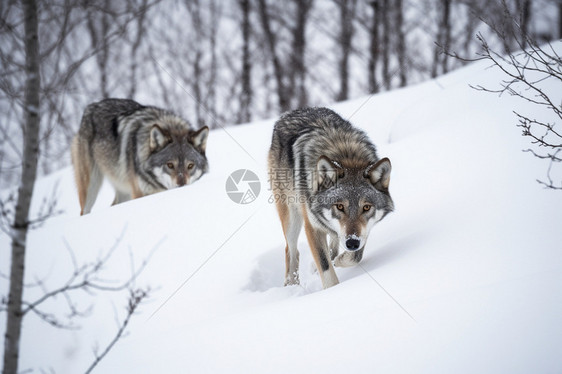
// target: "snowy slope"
[[464, 277]]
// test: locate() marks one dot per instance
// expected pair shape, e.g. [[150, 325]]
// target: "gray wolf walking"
[[325, 173], [140, 149]]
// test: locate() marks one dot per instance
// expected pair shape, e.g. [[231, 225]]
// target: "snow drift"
[[464, 277]]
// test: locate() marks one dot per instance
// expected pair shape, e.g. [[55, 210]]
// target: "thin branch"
[[51, 319], [86, 279], [549, 156], [517, 68], [136, 297]]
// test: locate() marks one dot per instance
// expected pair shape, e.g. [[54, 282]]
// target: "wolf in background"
[[140, 149], [326, 174]]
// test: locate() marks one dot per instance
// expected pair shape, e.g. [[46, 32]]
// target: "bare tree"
[[194, 8], [227, 76], [443, 40], [31, 108], [289, 75], [347, 11], [214, 23], [99, 30], [385, 46], [63, 27], [374, 50], [298, 66], [41, 80], [524, 10], [246, 95], [85, 278], [472, 22], [271, 40], [192, 66], [525, 72], [400, 42], [560, 19], [136, 297], [138, 37], [108, 24]]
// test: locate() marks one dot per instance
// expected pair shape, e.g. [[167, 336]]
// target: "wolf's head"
[[177, 158], [349, 201]]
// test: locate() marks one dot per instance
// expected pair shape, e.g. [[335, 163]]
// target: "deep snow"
[[464, 277]]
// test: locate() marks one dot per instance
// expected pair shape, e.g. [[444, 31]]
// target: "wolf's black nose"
[[352, 244], [180, 180]]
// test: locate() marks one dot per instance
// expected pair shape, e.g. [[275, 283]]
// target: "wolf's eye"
[[190, 166], [366, 208], [170, 165], [340, 207]]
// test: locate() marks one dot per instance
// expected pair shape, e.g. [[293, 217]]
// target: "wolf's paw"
[[346, 259], [292, 280]]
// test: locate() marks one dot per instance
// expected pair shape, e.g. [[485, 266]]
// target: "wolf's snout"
[[181, 180], [352, 244]]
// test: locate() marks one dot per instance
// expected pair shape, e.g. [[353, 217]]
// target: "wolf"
[[326, 174], [140, 149]]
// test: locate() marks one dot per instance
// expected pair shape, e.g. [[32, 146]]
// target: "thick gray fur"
[[140, 149], [318, 163]]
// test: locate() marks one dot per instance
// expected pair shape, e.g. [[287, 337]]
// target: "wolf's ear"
[[327, 173], [379, 174], [199, 138], [158, 139]]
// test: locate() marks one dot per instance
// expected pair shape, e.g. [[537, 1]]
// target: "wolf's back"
[[101, 120], [302, 136]]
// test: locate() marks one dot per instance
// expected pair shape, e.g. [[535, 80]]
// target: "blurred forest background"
[[220, 62]]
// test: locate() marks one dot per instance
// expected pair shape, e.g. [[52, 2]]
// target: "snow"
[[464, 276]]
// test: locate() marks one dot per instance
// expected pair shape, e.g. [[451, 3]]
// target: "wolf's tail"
[[86, 173]]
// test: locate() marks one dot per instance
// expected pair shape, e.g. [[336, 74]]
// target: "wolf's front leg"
[[319, 248], [121, 197], [291, 221], [334, 246], [291, 267], [347, 259], [136, 191]]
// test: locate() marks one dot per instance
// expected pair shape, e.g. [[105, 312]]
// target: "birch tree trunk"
[[25, 190]]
